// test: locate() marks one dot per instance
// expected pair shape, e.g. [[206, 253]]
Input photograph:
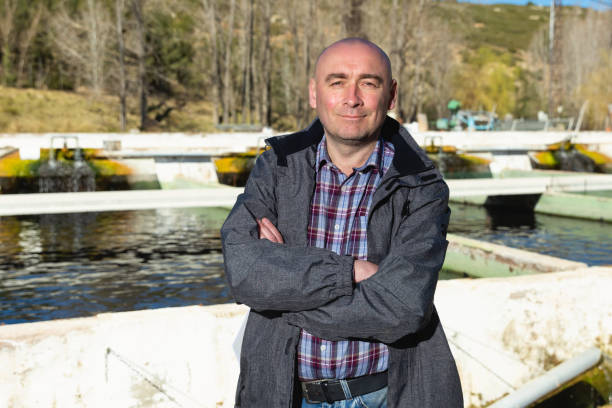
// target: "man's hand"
[[363, 270], [268, 231]]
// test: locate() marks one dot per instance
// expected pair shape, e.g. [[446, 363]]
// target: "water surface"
[[69, 265], [577, 240]]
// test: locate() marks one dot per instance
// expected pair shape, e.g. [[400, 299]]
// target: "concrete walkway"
[[530, 185], [56, 203], [221, 196]]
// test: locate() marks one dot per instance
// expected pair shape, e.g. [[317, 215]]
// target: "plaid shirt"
[[338, 222]]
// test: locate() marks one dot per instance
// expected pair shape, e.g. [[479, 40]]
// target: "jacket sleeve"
[[270, 276], [398, 299]]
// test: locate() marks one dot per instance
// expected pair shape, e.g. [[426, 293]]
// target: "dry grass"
[[40, 111]]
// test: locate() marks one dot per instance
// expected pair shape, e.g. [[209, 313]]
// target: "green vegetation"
[[492, 81]]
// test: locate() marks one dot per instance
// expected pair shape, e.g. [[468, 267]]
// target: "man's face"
[[352, 92]]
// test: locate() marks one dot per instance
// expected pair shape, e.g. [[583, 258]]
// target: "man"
[[336, 245]]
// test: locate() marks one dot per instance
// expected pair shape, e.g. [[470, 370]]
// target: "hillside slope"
[[38, 111], [503, 27]]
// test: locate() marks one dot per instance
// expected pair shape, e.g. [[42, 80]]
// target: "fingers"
[[271, 232], [271, 228], [363, 270], [268, 231], [264, 232]]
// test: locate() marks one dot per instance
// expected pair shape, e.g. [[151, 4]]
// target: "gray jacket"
[[291, 286]]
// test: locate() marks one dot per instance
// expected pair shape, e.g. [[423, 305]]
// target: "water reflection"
[[500, 219], [56, 266]]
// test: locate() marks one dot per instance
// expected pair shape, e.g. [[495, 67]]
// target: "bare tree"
[[247, 51], [209, 18], [228, 87], [308, 55], [82, 40], [137, 10], [353, 19], [399, 45], [25, 41], [119, 9], [295, 68], [405, 38], [420, 47], [251, 73], [96, 45], [418, 59], [586, 57], [583, 40], [537, 60], [286, 78], [440, 67], [291, 65], [265, 68], [555, 48], [7, 26], [298, 51]]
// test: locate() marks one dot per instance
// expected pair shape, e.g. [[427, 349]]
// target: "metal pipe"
[[551, 380]]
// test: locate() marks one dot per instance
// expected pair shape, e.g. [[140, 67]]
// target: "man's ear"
[[312, 93], [393, 92]]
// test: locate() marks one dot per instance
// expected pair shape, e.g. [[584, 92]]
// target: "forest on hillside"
[[250, 60]]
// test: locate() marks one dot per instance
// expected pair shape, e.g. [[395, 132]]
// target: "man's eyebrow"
[[338, 75], [371, 76], [334, 75]]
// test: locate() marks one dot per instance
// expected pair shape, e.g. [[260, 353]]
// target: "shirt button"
[[323, 348], [337, 227]]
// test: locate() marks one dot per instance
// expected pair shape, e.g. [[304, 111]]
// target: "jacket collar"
[[286, 145], [408, 158]]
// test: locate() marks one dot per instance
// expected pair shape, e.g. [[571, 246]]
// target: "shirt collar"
[[373, 161]]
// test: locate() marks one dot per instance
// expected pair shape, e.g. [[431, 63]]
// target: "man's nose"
[[353, 95]]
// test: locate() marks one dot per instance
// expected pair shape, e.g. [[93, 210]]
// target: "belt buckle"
[[318, 389]]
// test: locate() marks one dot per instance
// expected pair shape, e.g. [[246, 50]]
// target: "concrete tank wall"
[[503, 332], [154, 358], [506, 331]]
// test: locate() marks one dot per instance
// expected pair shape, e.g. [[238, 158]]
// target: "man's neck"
[[349, 156]]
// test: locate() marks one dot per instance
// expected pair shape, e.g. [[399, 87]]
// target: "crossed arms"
[[316, 289], [362, 270]]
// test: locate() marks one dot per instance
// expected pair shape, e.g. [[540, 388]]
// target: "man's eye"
[[336, 83], [369, 84]]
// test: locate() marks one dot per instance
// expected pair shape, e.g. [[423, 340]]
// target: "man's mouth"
[[353, 117]]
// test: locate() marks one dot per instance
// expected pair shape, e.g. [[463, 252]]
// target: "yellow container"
[[233, 169]]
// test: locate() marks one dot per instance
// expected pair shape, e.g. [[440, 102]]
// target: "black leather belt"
[[331, 390]]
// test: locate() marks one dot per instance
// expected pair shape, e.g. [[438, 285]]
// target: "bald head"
[[359, 42], [352, 90]]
